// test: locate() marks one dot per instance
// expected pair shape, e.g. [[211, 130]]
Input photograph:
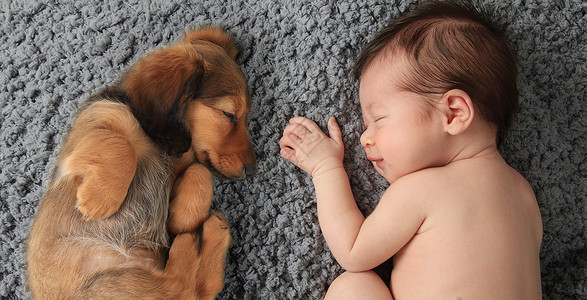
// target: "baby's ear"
[[458, 110]]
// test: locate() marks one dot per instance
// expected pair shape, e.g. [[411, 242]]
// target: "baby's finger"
[[287, 141], [306, 123], [286, 153], [289, 154], [294, 127], [334, 130], [296, 120], [296, 130]]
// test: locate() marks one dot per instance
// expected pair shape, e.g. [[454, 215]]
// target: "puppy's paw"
[[96, 201], [216, 232], [215, 242]]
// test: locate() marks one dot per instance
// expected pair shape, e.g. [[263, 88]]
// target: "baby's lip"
[[373, 159]]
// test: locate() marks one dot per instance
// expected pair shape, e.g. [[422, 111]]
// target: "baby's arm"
[[356, 243], [305, 145]]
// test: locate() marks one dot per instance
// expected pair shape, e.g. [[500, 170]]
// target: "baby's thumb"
[[334, 130]]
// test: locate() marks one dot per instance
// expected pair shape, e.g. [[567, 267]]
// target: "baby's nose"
[[367, 140]]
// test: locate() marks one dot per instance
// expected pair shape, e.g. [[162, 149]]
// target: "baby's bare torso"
[[480, 238]]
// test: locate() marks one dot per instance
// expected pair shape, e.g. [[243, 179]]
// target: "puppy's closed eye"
[[230, 116]]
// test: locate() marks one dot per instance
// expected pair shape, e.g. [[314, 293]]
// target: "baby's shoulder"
[[426, 178], [463, 177], [420, 184]]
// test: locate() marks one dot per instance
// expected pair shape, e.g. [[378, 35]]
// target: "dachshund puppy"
[[103, 227]]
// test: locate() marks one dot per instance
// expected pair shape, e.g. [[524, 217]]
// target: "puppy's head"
[[193, 95]]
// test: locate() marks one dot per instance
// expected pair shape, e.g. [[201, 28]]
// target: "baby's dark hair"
[[453, 45]]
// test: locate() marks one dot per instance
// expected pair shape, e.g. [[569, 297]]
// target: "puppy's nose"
[[250, 170]]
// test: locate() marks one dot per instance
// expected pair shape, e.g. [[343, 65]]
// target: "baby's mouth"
[[377, 162], [373, 159]]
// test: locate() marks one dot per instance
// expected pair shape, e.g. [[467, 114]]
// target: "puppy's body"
[[101, 230]]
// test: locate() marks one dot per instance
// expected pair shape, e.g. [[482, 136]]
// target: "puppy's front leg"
[[104, 164], [191, 199], [215, 242]]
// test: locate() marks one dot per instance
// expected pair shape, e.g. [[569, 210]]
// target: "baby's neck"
[[478, 141], [472, 153]]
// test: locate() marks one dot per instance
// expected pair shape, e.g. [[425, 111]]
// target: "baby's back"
[[480, 238]]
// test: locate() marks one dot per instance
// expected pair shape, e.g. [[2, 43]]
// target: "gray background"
[[297, 56]]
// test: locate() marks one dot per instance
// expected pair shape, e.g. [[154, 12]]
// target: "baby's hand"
[[305, 145]]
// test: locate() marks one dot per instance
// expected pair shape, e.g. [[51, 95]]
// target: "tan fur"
[[190, 208], [102, 230]]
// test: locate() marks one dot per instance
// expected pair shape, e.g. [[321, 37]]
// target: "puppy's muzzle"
[[250, 170]]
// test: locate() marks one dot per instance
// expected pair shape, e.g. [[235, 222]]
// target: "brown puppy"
[[102, 228]]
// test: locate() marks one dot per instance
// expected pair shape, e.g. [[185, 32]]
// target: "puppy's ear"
[[214, 35], [159, 87]]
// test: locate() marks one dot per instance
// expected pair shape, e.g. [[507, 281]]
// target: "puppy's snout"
[[250, 170]]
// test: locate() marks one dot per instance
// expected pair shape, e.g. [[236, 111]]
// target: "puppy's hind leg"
[[104, 164], [215, 242], [176, 281]]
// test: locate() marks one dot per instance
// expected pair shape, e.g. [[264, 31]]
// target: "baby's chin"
[[389, 177], [380, 171]]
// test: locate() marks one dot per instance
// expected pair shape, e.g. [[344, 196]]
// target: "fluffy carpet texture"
[[297, 56]]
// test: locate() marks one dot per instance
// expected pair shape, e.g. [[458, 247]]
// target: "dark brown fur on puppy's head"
[[193, 97]]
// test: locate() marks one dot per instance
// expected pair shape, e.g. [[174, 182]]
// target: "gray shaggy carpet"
[[297, 55]]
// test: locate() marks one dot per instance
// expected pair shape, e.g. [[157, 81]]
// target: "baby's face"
[[403, 132]]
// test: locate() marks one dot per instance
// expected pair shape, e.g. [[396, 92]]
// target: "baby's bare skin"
[[479, 241], [469, 230], [457, 220]]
